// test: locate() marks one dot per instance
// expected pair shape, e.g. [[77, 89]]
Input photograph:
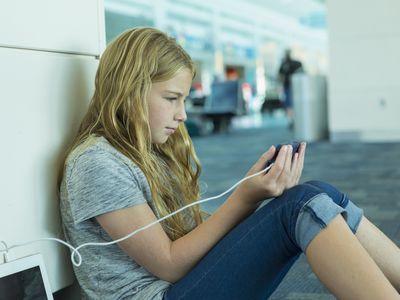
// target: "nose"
[[180, 114]]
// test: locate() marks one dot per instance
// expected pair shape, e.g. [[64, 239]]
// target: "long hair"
[[118, 111]]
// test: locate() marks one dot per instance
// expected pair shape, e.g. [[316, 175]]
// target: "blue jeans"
[[288, 97], [253, 258]]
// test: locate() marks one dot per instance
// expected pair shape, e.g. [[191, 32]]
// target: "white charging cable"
[[75, 251]]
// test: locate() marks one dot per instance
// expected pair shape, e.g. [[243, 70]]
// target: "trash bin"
[[310, 107]]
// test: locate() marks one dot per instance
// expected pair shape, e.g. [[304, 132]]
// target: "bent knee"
[[337, 196], [302, 192], [320, 184]]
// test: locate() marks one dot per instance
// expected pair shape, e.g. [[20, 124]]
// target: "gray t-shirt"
[[99, 179]]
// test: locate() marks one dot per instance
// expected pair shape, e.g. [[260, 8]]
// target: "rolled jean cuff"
[[318, 212]]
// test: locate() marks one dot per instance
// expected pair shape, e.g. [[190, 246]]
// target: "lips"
[[170, 130]]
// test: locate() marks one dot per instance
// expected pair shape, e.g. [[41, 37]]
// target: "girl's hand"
[[284, 174]]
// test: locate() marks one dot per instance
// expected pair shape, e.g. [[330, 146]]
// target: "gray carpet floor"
[[368, 172]]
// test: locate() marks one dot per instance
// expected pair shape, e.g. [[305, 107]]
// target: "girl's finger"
[[285, 174], [289, 157], [296, 169], [295, 163], [279, 164], [300, 161], [302, 153]]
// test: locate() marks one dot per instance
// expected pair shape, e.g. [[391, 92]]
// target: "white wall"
[[48, 59], [364, 84]]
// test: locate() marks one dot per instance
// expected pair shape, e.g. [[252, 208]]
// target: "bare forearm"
[[188, 250]]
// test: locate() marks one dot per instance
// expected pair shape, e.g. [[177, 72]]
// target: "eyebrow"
[[173, 92]]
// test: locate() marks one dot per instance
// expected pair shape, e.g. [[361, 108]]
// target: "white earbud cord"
[[75, 251]]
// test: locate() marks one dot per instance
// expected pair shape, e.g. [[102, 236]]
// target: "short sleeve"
[[100, 182]]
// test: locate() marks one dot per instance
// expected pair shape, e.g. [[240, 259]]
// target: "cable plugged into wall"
[[76, 257], [5, 252]]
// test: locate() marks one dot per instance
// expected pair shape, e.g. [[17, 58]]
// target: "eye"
[[171, 98]]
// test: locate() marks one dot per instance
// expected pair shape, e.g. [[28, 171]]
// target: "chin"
[[160, 141]]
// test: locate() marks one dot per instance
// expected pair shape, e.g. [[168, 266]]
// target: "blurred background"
[[243, 41], [352, 50]]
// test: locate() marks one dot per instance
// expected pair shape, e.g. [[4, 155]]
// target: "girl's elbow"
[[171, 276]]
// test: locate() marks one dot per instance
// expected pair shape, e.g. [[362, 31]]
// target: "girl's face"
[[166, 104]]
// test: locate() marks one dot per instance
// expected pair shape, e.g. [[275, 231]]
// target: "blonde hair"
[[118, 111]]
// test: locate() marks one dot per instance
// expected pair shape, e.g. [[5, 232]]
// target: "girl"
[[132, 162]]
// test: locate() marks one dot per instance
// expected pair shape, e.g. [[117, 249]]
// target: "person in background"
[[133, 162], [288, 67]]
